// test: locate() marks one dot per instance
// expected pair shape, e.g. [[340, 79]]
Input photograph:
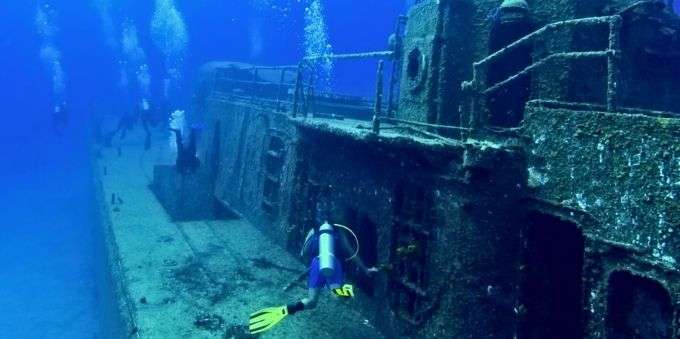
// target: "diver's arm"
[[307, 244], [348, 248]]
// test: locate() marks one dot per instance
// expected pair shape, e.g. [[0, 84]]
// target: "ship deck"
[[199, 279]]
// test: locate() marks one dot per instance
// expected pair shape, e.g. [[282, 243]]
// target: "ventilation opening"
[[637, 308], [414, 64], [552, 290], [366, 231]]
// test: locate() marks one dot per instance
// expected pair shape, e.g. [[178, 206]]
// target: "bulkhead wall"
[[420, 66], [619, 175], [442, 220], [446, 222], [622, 169], [251, 153], [443, 39]]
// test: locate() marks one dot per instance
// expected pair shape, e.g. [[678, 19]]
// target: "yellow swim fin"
[[267, 318], [346, 291]]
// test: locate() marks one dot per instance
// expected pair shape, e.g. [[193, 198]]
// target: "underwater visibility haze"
[[340, 169]]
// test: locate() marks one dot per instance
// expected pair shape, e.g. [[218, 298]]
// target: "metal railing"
[[305, 96], [229, 84], [308, 101], [477, 89]]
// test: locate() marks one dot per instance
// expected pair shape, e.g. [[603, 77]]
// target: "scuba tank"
[[326, 250]]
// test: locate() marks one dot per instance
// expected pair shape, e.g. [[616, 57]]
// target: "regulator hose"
[[356, 240]]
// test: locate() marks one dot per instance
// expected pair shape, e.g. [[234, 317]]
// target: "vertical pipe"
[[298, 89], [397, 61], [378, 97], [465, 109], [308, 97], [254, 84], [280, 92], [613, 63], [477, 102]]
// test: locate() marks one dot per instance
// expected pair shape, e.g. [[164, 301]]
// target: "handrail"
[[547, 28], [477, 88], [234, 80], [351, 56], [534, 35], [275, 68], [423, 124], [305, 97], [537, 64]]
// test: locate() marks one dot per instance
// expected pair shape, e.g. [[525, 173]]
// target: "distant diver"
[[325, 270], [128, 121], [146, 117], [510, 22], [60, 118], [187, 159]]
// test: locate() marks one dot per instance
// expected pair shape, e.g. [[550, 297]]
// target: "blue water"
[[53, 281], [53, 284]]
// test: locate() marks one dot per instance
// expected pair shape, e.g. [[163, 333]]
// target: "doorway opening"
[[637, 308], [367, 234], [552, 287]]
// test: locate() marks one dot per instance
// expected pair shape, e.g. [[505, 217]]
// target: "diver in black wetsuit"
[[125, 124], [128, 121], [187, 161], [59, 119], [511, 22]]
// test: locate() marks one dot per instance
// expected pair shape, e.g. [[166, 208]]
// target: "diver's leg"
[[314, 285], [178, 138], [337, 280], [109, 136], [147, 139], [192, 142], [180, 150], [192, 159], [312, 298], [308, 303]]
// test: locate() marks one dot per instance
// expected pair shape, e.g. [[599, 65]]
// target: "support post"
[[478, 110], [279, 95], [298, 91], [253, 89], [613, 69], [397, 62], [308, 96], [378, 97]]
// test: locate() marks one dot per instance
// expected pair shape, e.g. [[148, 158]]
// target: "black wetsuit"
[[187, 161], [59, 121], [127, 122], [506, 106]]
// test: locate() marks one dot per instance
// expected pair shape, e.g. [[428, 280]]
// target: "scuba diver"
[[145, 116], [128, 121], [125, 124], [59, 118], [325, 270], [187, 160]]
